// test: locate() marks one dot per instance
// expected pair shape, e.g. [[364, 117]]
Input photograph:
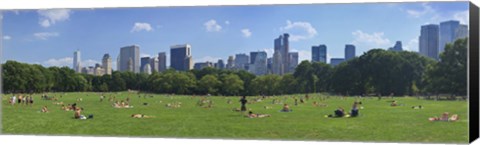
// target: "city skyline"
[[214, 36]]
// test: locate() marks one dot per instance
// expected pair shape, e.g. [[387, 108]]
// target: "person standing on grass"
[[243, 101]]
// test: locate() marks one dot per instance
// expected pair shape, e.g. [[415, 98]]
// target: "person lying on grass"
[[122, 104], [444, 117], [253, 115], [286, 108], [417, 107], [141, 116], [340, 112], [44, 109]]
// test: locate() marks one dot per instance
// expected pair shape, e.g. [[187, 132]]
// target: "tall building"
[[277, 66], [130, 53], [241, 61], [397, 46], [201, 65], [147, 69], [154, 64], [293, 61], [428, 41], [98, 70], [319, 53], [259, 67], [447, 33], [220, 64], [461, 32], [181, 57], [162, 61], [270, 65], [252, 57], [281, 61], [76, 62], [143, 62], [349, 52], [336, 61], [107, 64], [230, 62]]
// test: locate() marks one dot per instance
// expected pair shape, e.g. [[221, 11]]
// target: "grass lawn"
[[378, 121]]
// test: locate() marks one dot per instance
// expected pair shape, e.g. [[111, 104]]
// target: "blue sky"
[[49, 37]]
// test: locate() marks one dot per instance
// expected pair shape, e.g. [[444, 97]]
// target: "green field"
[[378, 121]]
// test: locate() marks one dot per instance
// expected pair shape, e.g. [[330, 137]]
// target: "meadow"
[[378, 121]]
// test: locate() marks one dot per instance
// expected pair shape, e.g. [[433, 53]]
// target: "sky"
[[50, 37]]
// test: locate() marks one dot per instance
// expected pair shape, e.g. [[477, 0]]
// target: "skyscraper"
[[259, 67], [336, 61], [230, 62], [147, 69], [130, 53], [154, 64], [107, 64], [447, 33], [461, 32], [76, 62], [397, 46], [280, 56], [319, 53], [270, 65], [293, 61], [118, 62], [162, 61], [201, 65], [428, 41], [252, 57], [220, 64], [143, 62], [181, 57], [349, 52], [241, 61]]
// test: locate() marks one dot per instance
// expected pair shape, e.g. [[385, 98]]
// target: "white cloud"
[[299, 30], [207, 58], [412, 45], [462, 16], [6, 37], [50, 17], [227, 22], [67, 61], [426, 9], [139, 26], [375, 40], [246, 33], [145, 55], [45, 35], [212, 26]]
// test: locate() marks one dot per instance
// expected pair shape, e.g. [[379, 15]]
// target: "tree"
[[231, 84], [209, 84]]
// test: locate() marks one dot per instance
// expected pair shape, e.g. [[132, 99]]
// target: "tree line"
[[377, 71]]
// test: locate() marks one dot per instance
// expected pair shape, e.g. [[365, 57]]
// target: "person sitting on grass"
[[78, 114], [444, 117], [394, 103], [354, 112], [141, 116], [44, 109], [340, 112], [286, 108], [252, 115]]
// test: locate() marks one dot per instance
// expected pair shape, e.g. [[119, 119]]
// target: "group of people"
[[340, 112], [121, 104], [445, 117], [27, 100]]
